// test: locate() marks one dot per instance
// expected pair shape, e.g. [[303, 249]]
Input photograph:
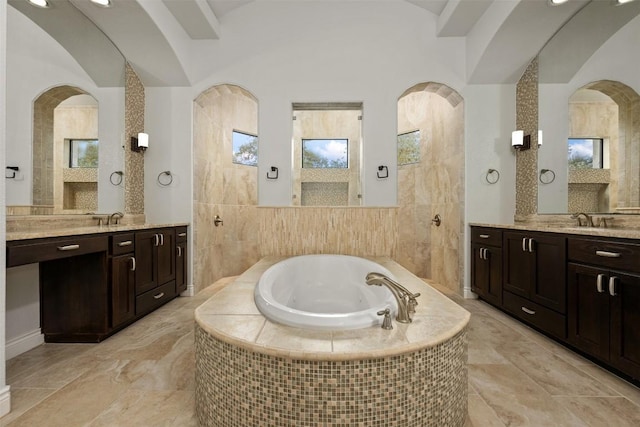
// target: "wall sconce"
[[273, 173], [383, 172], [520, 141], [141, 143]]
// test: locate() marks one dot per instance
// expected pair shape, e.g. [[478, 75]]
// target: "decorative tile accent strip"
[[527, 161], [134, 162], [237, 388]]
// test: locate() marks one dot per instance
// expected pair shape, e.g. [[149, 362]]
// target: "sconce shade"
[[143, 140], [539, 138], [516, 138]]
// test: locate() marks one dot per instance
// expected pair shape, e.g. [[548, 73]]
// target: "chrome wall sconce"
[[272, 173], [539, 138], [140, 143], [520, 141], [383, 172]]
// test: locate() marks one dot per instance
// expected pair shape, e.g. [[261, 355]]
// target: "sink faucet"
[[588, 220], [406, 300], [114, 218]]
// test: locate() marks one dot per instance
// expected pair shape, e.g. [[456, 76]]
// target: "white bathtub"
[[326, 292]]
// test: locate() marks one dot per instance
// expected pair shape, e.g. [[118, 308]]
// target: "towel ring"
[[491, 173], [166, 182], [544, 172], [116, 177]]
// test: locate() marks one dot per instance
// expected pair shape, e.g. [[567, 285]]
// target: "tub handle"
[[386, 323]]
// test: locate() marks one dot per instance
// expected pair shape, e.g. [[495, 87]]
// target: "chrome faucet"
[[406, 300], [114, 218], [588, 220]]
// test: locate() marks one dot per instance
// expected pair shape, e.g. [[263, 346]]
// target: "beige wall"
[[432, 186]]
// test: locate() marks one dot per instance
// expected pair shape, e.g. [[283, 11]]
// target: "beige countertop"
[[76, 231], [625, 233], [232, 316]]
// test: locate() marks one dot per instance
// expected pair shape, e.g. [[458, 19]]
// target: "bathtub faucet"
[[406, 300]]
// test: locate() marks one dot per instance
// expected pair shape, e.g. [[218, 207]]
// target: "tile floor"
[[143, 376]]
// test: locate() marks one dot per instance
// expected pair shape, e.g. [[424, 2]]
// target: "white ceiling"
[[502, 36]]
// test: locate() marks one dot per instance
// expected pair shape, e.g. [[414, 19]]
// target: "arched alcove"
[[224, 182], [431, 116]]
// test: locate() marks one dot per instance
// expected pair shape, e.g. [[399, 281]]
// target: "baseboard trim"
[[468, 294], [23, 343], [5, 401]]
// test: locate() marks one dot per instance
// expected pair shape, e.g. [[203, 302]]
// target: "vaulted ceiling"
[[155, 37]]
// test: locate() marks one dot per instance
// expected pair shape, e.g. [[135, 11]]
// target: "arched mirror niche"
[[431, 182], [225, 182], [65, 152]]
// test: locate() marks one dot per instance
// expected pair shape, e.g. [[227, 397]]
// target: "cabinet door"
[[486, 278], [166, 255], [122, 289], [588, 310], [146, 261], [518, 266], [548, 286], [625, 321], [181, 267]]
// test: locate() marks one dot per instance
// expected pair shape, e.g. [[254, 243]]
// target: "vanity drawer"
[[605, 254], [30, 251], [181, 234], [155, 297], [536, 315], [122, 243], [487, 236]]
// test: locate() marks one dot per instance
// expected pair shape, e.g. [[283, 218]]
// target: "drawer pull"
[[68, 247], [161, 239], [530, 245], [612, 286], [599, 281], [133, 263], [156, 240], [125, 243], [608, 254], [528, 311], [185, 235], [179, 251], [484, 236], [524, 244], [160, 295]]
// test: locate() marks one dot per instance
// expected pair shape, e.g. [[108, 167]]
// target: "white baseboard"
[[189, 292], [23, 343], [5, 401], [468, 294]]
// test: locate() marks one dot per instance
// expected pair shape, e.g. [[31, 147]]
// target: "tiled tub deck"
[[250, 371]]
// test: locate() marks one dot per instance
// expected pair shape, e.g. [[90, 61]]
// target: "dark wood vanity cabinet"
[[155, 275], [181, 259], [604, 301], [91, 286], [486, 264], [582, 290]]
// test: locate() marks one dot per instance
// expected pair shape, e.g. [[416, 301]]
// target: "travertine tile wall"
[[327, 125], [133, 124], [433, 186], [73, 122], [222, 187]]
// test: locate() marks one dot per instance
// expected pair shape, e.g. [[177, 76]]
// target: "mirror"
[[63, 92], [587, 100], [326, 149]]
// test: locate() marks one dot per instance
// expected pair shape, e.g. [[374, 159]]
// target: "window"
[[586, 153], [409, 147], [325, 153], [83, 153], [245, 148]]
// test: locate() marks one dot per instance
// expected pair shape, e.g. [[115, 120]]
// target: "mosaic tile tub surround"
[[250, 371]]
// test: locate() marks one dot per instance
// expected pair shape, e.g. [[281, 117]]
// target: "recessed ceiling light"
[[39, 3], [103, 3], [557, 2], [619, 2]]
